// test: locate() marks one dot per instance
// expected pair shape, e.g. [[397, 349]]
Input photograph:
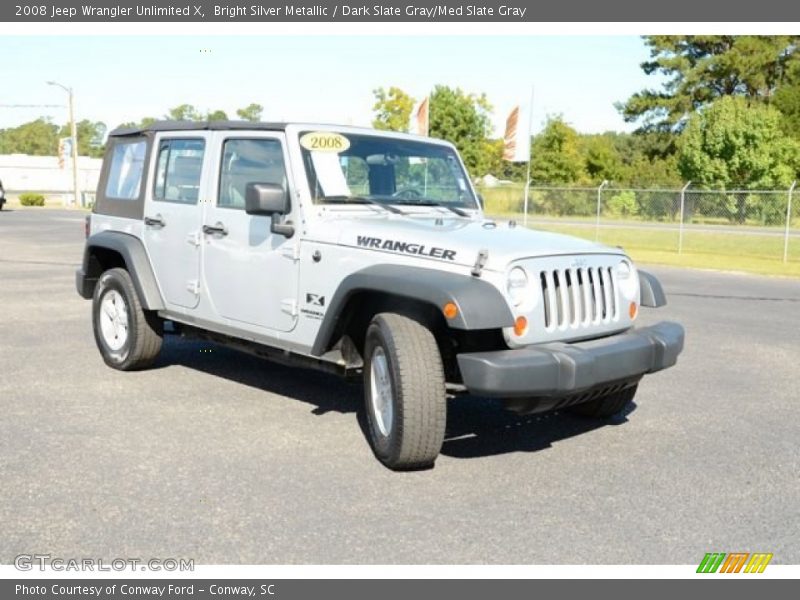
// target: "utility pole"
[[74, 135]]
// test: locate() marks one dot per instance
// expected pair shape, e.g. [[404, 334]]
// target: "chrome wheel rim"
[[114, 320], [381, 393]]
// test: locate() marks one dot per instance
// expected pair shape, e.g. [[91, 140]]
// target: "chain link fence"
[[763, 224]]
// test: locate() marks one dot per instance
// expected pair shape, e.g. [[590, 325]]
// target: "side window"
[[125, 173], [178, 170], [246, 161]]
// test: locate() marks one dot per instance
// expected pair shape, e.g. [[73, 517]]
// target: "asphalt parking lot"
[[221, 457]]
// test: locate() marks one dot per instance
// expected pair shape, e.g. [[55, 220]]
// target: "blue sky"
[[318, 78]]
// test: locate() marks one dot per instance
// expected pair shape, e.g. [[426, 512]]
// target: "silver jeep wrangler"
[[365, 253]]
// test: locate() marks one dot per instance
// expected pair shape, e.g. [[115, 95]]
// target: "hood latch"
[[477, 268]]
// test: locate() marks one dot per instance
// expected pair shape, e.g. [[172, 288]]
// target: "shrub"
[[623, 204], [767, 209], [31, 199]]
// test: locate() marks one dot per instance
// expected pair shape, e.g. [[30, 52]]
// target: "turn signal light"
[[632, 310], [450, 310], [520, 326]]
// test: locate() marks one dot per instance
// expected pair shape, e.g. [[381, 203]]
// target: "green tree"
[[216, 115], [251, 112], [602, 158], [787, 100], [142, 123], [91, 137], [701, 68], [557, 158], [184, 112], [392, 109], [736, 145], [38, 138], [502, 169], [657, 172], [464, 120]]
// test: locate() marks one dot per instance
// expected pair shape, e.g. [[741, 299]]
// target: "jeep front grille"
[[578, 297]]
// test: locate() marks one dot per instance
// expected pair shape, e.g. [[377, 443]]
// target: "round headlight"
[[624, 270], [516, 285], [628, 279]]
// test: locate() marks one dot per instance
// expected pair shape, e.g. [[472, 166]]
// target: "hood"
[[454, 240]]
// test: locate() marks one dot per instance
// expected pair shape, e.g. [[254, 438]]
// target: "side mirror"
[[270, 200], [265, 199]]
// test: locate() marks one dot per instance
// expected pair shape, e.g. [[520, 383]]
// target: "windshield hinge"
[[289, 306], [477, 268], [291, 251]]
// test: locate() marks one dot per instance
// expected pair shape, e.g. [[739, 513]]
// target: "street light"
[[74, 136]]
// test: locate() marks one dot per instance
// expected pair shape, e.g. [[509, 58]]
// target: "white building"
[[22, 173]]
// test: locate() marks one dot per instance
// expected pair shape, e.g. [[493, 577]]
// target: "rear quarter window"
[[126, 170]]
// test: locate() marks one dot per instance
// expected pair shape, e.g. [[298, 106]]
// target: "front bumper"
[[559, 369]]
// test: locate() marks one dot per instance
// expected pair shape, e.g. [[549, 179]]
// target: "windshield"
[[345, 167]]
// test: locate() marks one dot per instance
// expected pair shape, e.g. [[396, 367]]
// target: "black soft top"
[[197, 126]]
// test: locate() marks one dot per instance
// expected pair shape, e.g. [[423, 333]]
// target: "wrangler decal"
[[406, 247]]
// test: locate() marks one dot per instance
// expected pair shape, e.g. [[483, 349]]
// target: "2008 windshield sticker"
[[324, 141]]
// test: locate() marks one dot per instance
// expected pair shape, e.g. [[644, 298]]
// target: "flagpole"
[[427, 103], [530, 155]]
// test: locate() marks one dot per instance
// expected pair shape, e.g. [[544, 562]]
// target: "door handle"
[[217, 229], [157, 221]]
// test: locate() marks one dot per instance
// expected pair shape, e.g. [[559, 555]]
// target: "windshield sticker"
[[329, 174], [406, 247], [325, 141]]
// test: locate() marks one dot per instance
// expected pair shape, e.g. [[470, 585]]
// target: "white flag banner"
[[420, 118], [517, 138]]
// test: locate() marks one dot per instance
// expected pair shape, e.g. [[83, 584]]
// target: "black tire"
[[605, 406], [414, 437], [144, 331]]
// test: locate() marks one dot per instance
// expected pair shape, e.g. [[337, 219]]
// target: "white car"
[[365, 253]]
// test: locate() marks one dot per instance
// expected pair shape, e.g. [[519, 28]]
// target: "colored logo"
[[736, 562]]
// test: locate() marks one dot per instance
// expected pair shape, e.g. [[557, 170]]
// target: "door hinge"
[[291, 251], [194, 238], [289, 306], [193, 285]]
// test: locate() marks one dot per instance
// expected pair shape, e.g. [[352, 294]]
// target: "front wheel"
[[404, 392], [128, 337]]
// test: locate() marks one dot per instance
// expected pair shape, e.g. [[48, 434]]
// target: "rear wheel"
[[606, 406], [128, 337], [404, 392]]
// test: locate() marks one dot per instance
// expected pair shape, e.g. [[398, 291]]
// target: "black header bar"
[[433, 11]]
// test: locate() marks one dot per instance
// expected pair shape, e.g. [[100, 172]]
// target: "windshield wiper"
[[362, 200], [458, 211]]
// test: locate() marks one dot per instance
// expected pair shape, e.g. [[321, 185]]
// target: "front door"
[[172, 215], [249, 272]]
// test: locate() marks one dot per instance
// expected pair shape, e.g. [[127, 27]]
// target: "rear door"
[[250, 273], [172, 215]]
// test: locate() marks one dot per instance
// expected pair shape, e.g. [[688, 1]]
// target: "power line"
[[31, 106]]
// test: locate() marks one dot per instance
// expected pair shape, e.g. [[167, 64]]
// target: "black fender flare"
[[137, 263], [480, 304], [651, 294]]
